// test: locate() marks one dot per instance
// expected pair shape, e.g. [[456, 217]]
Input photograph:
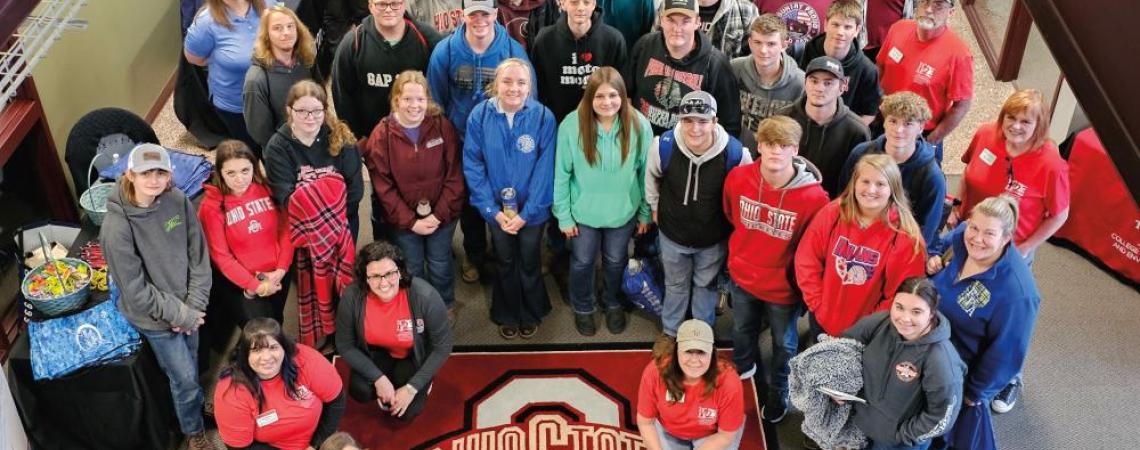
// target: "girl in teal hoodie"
[[599, 185]]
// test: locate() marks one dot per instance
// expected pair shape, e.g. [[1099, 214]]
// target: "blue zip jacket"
[[991, 316], [458, 77], [498, 156], [926, 195]]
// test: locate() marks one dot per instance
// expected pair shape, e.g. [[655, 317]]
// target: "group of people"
[[744, 158]]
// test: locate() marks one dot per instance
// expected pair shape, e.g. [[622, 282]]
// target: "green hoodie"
[[609, 193]]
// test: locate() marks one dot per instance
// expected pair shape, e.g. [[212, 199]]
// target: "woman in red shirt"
[[392, 330], [1014, 156], [859, 248], [248, 237], [276, 394], [688, 397]]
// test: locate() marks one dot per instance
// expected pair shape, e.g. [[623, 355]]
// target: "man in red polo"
[[926, 57]]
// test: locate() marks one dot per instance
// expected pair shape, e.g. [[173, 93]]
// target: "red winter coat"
[[404, 172], [846, 272], [768, 223], [247, 234]]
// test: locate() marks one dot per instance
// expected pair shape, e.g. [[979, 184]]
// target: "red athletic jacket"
[[846, 272], [247, 234], [768, 222], [404, 172]]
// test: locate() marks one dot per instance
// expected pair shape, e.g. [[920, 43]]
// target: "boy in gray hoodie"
[[768, 79], [156, 254]]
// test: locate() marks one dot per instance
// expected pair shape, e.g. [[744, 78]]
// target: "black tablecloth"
[[121, 405]]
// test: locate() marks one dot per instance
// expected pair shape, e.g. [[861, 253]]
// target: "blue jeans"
[[747, 311], [177, 355], [614, 245], [435, 248], [690, 277], [879, 446], [670, 442]]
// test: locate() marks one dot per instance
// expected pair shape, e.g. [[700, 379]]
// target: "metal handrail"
[[33, 38]]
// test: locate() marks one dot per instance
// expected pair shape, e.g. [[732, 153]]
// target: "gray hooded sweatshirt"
[[157, 256], [758, 101]]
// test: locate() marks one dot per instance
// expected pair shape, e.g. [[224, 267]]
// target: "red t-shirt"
[[695, 416], [1040, 180], [805, 18], [388, 325], [940, 70], [284, 423]]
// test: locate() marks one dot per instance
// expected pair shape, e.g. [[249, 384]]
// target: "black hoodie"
[[656, 82], [828, 145], [365, 66], [288, 161], [863, 92], [563, 63]]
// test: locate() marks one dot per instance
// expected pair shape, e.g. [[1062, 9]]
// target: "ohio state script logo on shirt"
[[706, 416], [855, 264], [774, 222]]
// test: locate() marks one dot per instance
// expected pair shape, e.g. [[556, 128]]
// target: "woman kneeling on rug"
[[688, 397], [393, 332], [276, 394]]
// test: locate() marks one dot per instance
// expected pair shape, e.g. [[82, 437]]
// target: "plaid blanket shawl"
[[325, 252]]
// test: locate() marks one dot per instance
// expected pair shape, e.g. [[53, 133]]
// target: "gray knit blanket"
[[835, 363]]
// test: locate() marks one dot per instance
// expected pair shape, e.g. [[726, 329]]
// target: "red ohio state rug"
[[526, 401]]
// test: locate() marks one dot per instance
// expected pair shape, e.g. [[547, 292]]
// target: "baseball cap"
[[471, 6], [695, 334], [698, 104], [687, 7], [826, 64], [148, 156]]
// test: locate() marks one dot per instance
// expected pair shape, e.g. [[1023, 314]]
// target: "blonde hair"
[[217, 9], [127, 187], [847, 9], [779, 130], [305, 49], [905, 105], [769, 23], [493, 91], [849, 205], [1003, 208], [1031, 102], [339, 133], [412, 77]]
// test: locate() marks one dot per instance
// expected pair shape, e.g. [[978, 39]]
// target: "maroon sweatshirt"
[[404, 172]]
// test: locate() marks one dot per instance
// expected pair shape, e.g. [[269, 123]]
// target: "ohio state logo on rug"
[[528, 410]]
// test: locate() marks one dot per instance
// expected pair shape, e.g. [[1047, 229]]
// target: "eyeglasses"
[[697, 107], [938, 5], [390, 276], [308, 113], [388, 5]]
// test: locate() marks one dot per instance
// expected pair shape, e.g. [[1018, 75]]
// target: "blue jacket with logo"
[[459, 77], [991, 316], [497, 155]]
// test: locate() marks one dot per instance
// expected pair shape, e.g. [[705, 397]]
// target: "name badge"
[[434, 142], [267, 418], [895, 54], [987, 157]]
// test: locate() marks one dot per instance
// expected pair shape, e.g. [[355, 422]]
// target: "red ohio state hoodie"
[[847, 272], [247, 234], [768, 222]]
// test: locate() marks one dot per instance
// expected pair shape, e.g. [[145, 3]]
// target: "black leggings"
[[398, 371], [228, 308]]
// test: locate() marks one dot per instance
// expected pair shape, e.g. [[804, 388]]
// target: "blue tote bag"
[[93, 337]]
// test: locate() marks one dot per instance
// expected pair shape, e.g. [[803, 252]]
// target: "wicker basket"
[[94, 199], [62, 304]]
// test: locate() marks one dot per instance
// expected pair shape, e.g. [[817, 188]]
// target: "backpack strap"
[[665, 149], [733, 153], [416, 30]]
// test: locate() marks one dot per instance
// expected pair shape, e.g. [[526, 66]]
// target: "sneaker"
[[585, 324], [468, 272], [775, 408], [1003, 402], [615, 320], [527, 331], [748, 373], [200, 441], [722, 301], [508, 332]]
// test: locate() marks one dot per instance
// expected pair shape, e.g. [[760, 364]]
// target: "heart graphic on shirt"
[[587, 56]]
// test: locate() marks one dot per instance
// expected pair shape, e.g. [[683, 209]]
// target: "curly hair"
[[376, 251]]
